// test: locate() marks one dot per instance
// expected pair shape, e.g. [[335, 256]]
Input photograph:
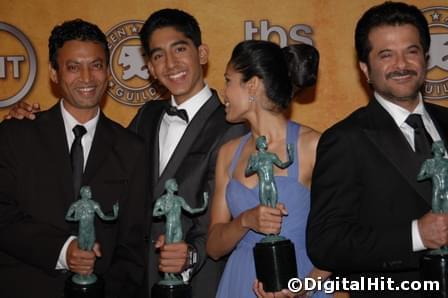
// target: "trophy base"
[[275, 264], [171, 291], [434, 267], [74, 290]]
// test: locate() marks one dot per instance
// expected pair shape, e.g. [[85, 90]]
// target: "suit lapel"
[[52, 134], [388, 138], [440, 121], [188, 139], [152, 138], [102, 144]]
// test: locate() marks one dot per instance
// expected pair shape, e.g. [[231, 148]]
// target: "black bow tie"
[[181, 113]]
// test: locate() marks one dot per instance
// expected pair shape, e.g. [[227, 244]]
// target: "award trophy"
[[171, 205], [434, 264], [275, 257], [83, 210]]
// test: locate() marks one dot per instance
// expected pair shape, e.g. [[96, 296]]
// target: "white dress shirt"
[[400, 115], [86, 141], [172, 128]]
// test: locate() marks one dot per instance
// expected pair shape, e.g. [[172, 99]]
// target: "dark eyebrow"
[[180, 42], [152, 51], [383, 51], [415, 46], [174, 44], [98, 60]]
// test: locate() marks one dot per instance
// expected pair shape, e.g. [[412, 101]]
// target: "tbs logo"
[[299, 33]]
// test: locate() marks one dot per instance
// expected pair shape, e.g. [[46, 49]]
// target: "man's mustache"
[[400, 73]]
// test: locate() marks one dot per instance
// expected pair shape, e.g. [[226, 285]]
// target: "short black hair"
[[168, 17], [75, 30], [391, 14], [283, 71]]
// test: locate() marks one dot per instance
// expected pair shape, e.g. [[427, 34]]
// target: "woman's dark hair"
[[75, 30], [178, 19], [390, 14], [283, 71]]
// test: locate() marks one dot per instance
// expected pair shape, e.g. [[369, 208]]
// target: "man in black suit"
[[39, 179], [369, 215], [182, 145]]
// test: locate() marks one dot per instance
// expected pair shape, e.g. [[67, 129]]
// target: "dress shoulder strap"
[[292, 137], [236, 155]]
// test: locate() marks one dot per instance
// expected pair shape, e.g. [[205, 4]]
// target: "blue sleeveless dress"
[[239, 273]]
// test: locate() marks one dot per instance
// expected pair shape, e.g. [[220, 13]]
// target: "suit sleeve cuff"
[[417, 242], [62, 260]]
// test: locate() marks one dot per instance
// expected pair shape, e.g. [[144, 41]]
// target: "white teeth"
[[177, 75], [86, 89]]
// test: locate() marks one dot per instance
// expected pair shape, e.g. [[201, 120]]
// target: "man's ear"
[[203, 54], [53, 74], [151, 69], [365, 69]]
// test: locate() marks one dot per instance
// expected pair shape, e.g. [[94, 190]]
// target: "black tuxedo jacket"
[[36, 191], [193, 166], [364, 197]]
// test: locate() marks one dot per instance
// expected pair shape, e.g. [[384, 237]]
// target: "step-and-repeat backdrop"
[[326, 24]]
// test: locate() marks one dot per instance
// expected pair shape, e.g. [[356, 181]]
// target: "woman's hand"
[[259, 291], [264, 219]]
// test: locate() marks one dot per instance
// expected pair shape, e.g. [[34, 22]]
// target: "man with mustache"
[[369, 215]]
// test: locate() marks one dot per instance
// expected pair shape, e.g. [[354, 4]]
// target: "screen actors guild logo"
[[130, 81], [436, 86], [18, 65]]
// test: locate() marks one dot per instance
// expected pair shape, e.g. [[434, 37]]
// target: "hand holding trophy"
[[434, 264], [275, 258], [171, 205], [83, 211]]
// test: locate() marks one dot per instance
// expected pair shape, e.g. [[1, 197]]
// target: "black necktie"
[[181, 113], [422, 139], [77, 158]]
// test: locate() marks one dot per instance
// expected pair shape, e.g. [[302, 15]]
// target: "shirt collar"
[[193, 104], [70, 122], [398, 113]]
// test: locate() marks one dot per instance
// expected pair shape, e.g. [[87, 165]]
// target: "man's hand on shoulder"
[[23, 110]]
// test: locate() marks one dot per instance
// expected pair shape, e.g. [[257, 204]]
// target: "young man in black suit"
[[369, 216], [40, 176], [182, 147]]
